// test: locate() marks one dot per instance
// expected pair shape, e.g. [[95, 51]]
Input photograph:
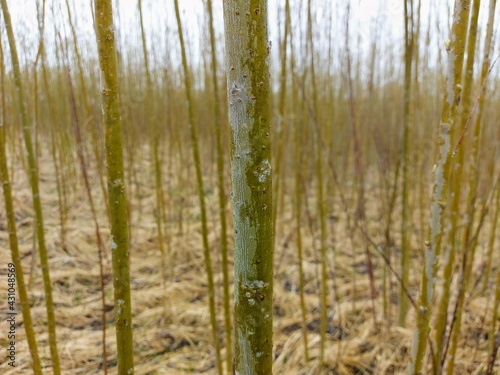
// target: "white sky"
[[382, 17]]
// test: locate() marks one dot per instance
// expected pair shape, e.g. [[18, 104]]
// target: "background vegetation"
[[385, 194]]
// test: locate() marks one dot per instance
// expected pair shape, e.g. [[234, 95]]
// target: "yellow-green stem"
[[454, 232], [201, 192], [116, 186], [405, 250], [33, 177], [298, 205], [455, 49], [15, 276], [222, 194]]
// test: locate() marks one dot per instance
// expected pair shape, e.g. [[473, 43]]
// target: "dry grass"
[[172, 328]]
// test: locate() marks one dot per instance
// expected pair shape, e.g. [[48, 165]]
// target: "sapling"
[[222, 192], [248, 84], [201, 192], [35, 190], [116, 186], [455, 49], [13, 239]]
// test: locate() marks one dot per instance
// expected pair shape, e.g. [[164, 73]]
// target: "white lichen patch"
[[447, 45], [248, 359], [429, 269], [113, 243], [118, 183], [414, 348], [258, 284], [439, 182], [264, 171], [120, 303], [437, 209]]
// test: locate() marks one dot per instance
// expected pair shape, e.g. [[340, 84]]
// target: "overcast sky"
[[380, 18]]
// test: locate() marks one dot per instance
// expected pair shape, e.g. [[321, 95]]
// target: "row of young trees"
[[322, 166], [250, 125]]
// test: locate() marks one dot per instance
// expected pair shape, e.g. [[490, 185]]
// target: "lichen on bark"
[[247, 64]]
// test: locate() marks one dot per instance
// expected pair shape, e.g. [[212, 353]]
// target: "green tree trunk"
[[37, 204], [298, 194], [222, 193], [151, 120], [247, 64], [494, 342], [454, 240], [88, 113], [321, 207], [11, 224], [474, 171], [201, 191], [405, 226], [80, 151], [455, 49], [116, 186]]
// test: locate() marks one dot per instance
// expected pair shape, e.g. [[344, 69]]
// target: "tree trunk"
[[116, 186], [247, 64]]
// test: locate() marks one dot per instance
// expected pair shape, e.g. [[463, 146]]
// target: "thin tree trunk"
[[360, 214], [405, 250], [201, 192], [13, 240], [320, 190], [156, 158], [80, 150], [247, 54], [298, 197], [116, 186], [441, 174], [222, 193], [33, 177], [473, 173], [455, 216], [88, 113]]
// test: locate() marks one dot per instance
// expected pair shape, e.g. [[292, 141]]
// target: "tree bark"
[[247, 63]]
